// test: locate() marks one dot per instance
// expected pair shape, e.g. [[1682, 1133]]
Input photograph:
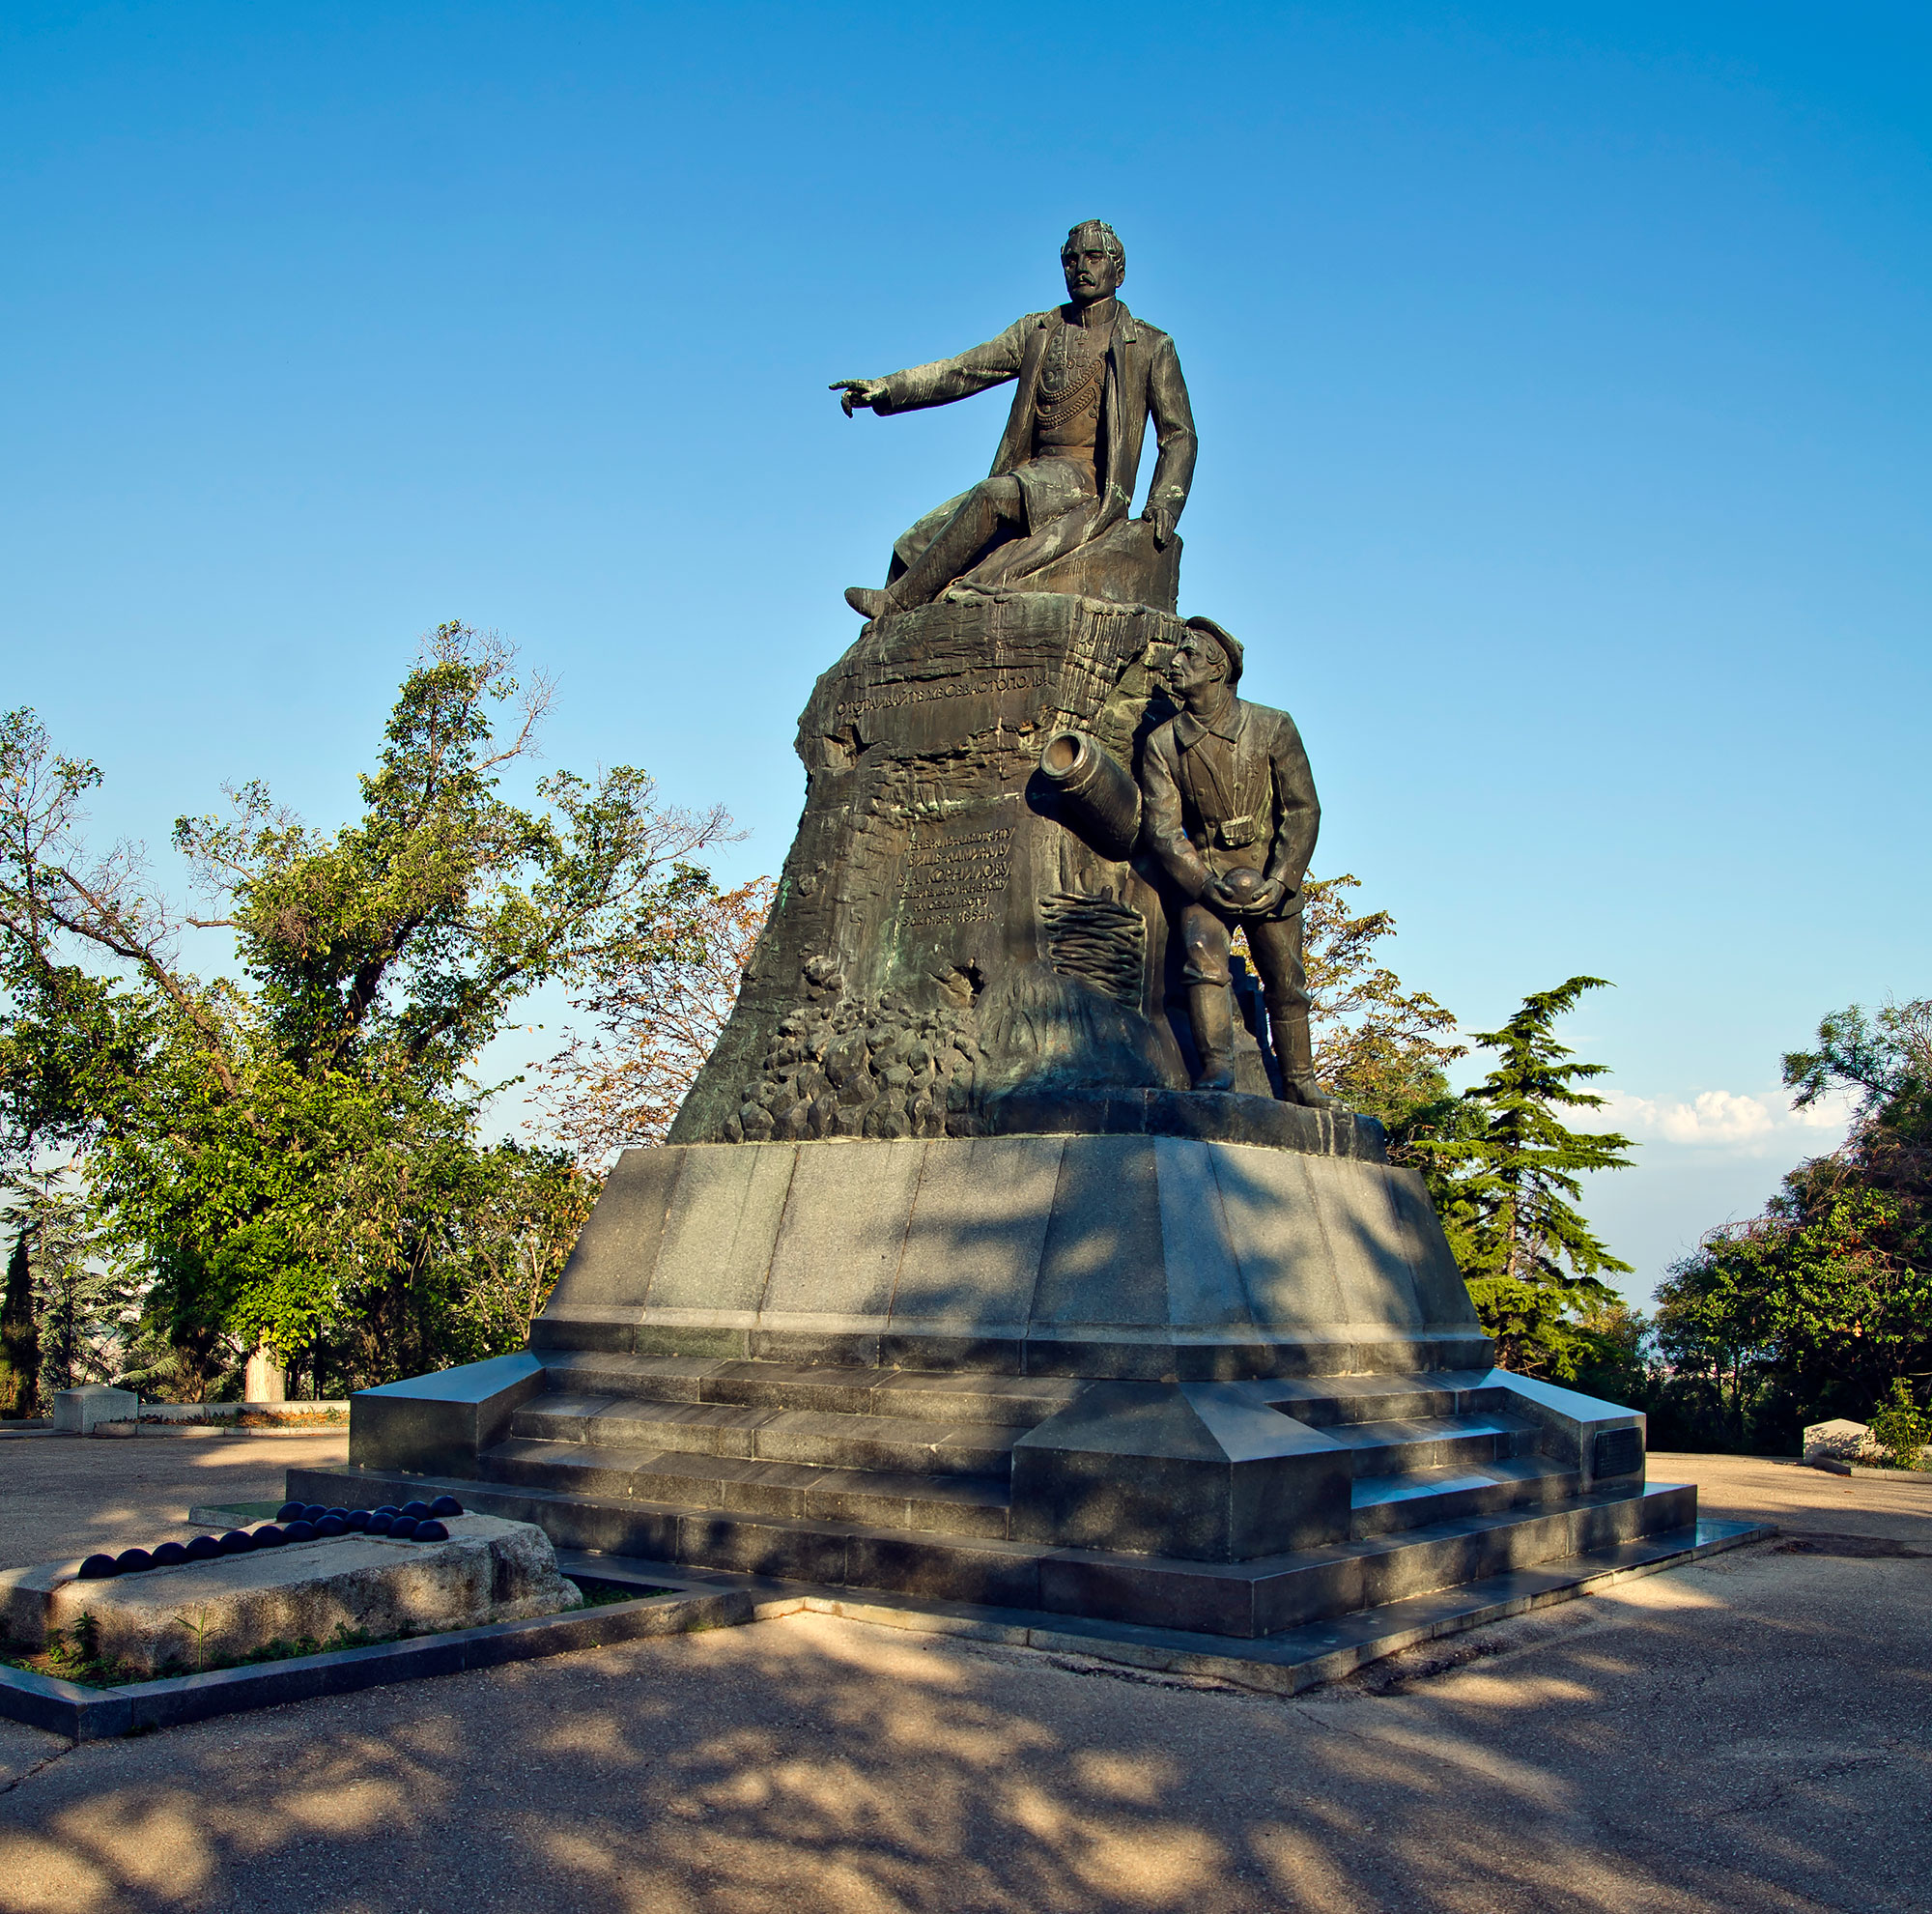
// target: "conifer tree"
[[1504, 1172], [20, 1338], [80, 1292]]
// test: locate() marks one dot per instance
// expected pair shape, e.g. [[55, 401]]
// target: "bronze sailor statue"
[[1229, 813]]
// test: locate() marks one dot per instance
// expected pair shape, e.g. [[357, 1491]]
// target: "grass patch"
[[73, 1654], [602, 1595], [304, 1646]]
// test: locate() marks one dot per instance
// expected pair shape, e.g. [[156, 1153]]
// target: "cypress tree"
[[1504, 1171], [20, 1338]]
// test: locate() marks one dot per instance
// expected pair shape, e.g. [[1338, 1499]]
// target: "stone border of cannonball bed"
[[100, 1714]]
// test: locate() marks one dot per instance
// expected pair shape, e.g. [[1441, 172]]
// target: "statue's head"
[[1095, 262], [1206, 656]]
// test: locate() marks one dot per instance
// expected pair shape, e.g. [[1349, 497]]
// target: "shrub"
[[1901, 1428]]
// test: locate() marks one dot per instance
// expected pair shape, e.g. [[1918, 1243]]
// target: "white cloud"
[[1728, 1118]]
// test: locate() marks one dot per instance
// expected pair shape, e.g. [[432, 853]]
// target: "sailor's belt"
[[1237, 832]]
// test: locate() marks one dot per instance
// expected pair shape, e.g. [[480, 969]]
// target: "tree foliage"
[[1900, 1427], [1505, 1173], [20, 1337], [296, 1153], [1380, 1047], [1822, 1304], [80, 1288], [657, 1014]]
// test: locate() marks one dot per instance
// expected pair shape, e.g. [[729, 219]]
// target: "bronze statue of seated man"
[[1089, 376]]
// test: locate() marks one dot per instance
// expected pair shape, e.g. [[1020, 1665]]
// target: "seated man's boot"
[[868, 602], [1295, 1055], [990, 505], [1210, 1009]]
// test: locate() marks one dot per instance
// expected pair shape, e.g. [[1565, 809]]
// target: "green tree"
[[1901, 1428], [1504, 1171], [82, 1290], [1858, 1223], [1823, 1304], [1379, 1045], [1817, 1306], [297, 1154], [20, 1338], [1883, 1059], [1617, 1357], [1719, 1327]]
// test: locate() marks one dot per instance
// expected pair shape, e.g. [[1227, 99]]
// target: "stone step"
[[1325, 1401], [636, 1422], [890, 1473], [1251, 1598], [1382, 1505], [1282, 1664], [1014, 1402], [1400, 1449], [825, 1438], [969, 1505]]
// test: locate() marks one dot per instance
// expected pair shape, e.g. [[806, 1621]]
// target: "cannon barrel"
[[1095, 792]]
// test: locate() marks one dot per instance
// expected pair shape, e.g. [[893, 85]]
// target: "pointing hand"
[[857, 392]]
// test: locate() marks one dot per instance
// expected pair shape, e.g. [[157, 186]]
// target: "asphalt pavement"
[[1751, 1731]]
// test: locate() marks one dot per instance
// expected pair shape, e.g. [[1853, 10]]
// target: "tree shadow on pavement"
[[1748, 1734]]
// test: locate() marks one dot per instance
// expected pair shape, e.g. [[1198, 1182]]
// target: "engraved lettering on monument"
[[921, 699], [897, 697], [957, 879]]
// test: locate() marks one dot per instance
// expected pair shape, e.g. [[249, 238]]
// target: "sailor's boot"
[[1296, 1055], [1210, 1009]]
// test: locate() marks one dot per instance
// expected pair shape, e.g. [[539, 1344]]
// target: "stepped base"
[[1238, 1509], [1242, 1599], [1284, 1664]]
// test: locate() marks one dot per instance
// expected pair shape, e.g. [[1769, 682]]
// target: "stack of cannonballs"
[[295, 1522]]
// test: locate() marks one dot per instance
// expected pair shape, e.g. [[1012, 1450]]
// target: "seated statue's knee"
[[1004, 495]]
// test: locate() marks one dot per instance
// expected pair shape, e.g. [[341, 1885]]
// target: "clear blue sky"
[[1561, 375]]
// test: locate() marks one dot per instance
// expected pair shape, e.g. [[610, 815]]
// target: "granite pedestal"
[[948, 1282], [1227, 1385]]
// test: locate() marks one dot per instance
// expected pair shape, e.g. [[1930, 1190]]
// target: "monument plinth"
[[1006, 1248]]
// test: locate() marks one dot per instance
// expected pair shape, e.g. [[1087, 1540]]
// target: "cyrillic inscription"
[[957, 879], [978, 684]]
